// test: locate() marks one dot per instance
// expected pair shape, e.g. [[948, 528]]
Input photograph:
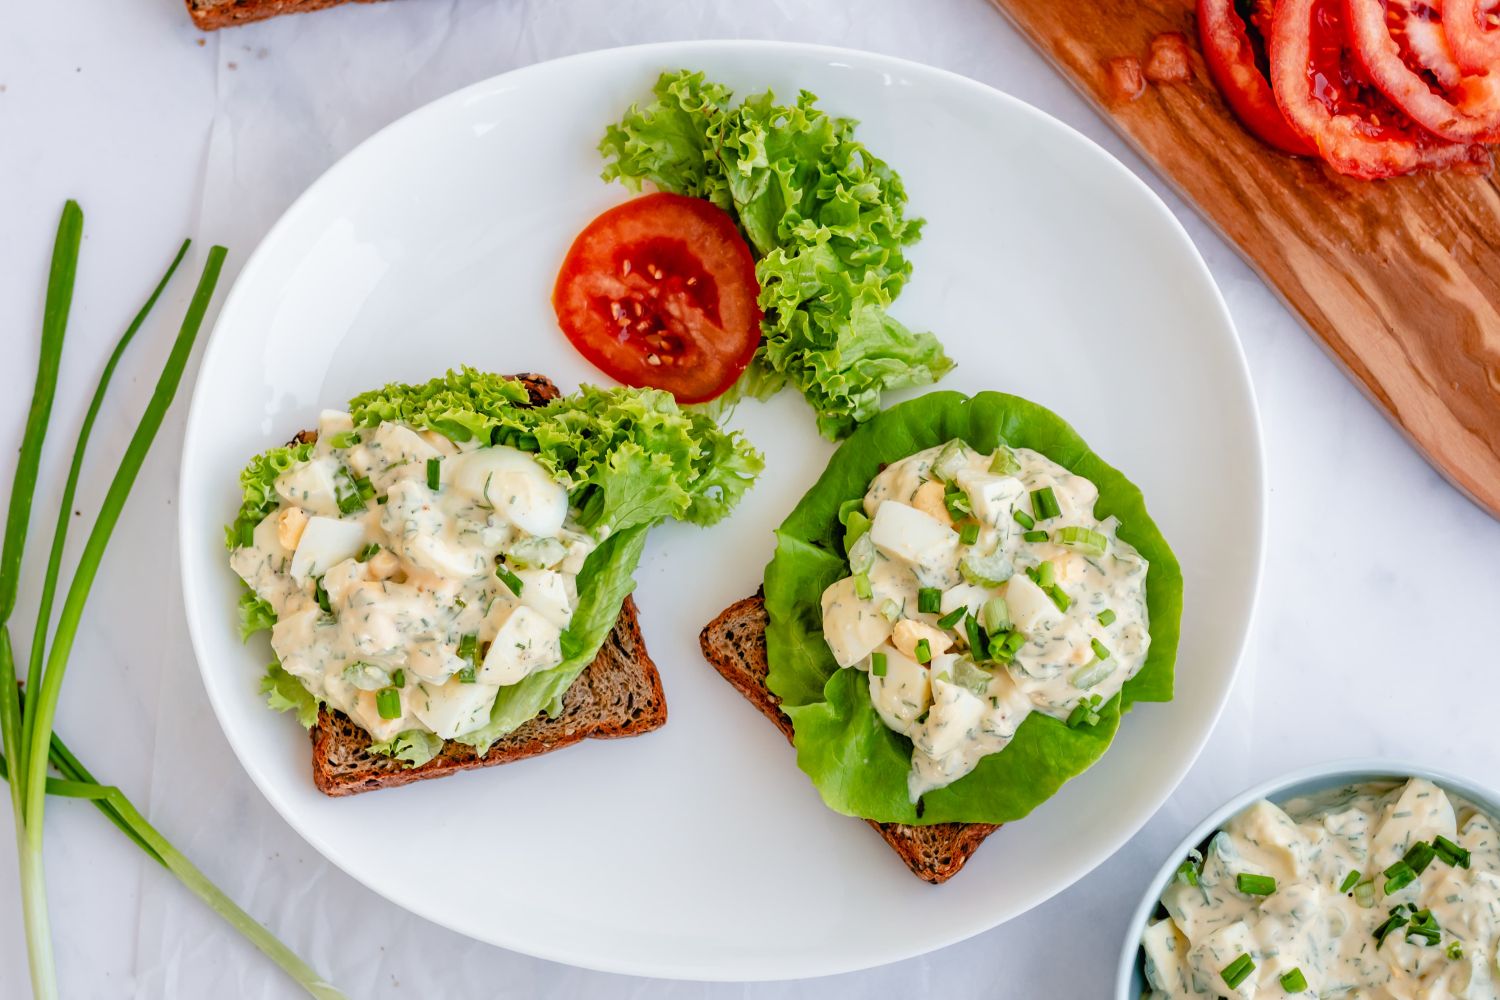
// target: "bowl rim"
[[1330, 774]]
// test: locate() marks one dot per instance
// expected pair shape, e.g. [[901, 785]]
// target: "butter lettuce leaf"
[[826, 219], [858, 765], [285, 693]]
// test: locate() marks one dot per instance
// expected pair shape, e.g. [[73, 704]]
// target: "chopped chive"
[[1238, 971], [877, 664], [398, 679], [862, 588], [929, 600], [953, 617], [321, 596], [968, 534], [1004, 463], [1455, 950], [434, 473], [1350, 881], [1419, 856], [511, 581], [995, 615], [1453, 855], [368, 552], [1100, 650], [344, 439], [1255, 885], [1082, 539], [924, 651], [1398, 876], [1059, 596], [1364, 894], [1034, 536], [1106, 618], [388, 703], [1022, 518], [1044, 503], [1392, 923], [1294, 981]]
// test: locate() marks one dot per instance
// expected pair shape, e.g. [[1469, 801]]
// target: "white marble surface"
[[1374, 635]]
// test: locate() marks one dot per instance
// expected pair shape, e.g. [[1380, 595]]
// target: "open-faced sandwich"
[[445, 568], [957, 615]]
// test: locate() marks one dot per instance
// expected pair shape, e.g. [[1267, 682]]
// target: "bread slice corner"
[[735, 645]]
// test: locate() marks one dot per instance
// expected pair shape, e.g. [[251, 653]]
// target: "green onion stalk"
[[31, 751]]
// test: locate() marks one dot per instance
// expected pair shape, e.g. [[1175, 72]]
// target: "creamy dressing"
[[1311, 923], [397, 607], [1071, 603]]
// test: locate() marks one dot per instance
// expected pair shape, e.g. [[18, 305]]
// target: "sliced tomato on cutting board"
[[1234, 50], [661, 292], [1329, 99], [1472, 28], [1400, 64]]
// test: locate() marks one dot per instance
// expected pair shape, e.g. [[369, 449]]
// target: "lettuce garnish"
[[858, 764], [630, 459], [826, 220]]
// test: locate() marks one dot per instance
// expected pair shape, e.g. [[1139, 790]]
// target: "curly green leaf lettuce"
[[858, 764], [285, 693], [827, 222], [413, 746]]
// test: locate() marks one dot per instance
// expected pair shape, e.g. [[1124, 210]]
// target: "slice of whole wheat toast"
[[735, 645], [617, 695], [210, 15]]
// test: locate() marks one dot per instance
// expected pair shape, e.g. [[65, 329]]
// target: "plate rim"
[[748, 969]]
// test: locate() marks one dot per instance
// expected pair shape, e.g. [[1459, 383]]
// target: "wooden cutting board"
[[1399, 279]]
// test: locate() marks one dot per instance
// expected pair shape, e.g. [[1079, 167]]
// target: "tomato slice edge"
[[1230, 59]]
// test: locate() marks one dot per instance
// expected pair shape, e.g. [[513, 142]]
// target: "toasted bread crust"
[[735, 645], [210, 15]]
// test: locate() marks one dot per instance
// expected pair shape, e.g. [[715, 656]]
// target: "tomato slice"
[[661, 292], [1472, 28], [1468, 111], [1326, 96], [1234, 50]]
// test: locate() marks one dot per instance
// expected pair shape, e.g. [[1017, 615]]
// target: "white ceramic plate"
[[701, 851]]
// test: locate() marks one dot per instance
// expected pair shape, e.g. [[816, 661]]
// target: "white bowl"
[[1130, 982]]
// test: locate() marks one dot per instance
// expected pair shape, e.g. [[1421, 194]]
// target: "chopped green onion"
[[321, 596], [890, 610], [1364, 894], [929, 600], [968, 533], [862, 588], [1392, 923], [1350, 881], [877, 664], [957, 502], [1092, 674], [388, 703], [351, 492], [995, 615], [1046, 575], [1004, 463], [511, 581], [1100, 650], [1022, 518], [1453, 855], [1044, 504], [1255, 885], [924, 651], [975, 638], [1294, 981], [1455, 950], [1238, 971], [398, 679], [344, 439], [1398, 876], [1419, 856], [1085, 712], [368, 552], [1082, 539], [848, 507], [1188, 871], [856, 528], [1425, 926], [1034, 536], [1014, 642], [468, 648], [434, 473], [468, 675], [1105, 617], [246, 534], [953, 617], [1059, 596]]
